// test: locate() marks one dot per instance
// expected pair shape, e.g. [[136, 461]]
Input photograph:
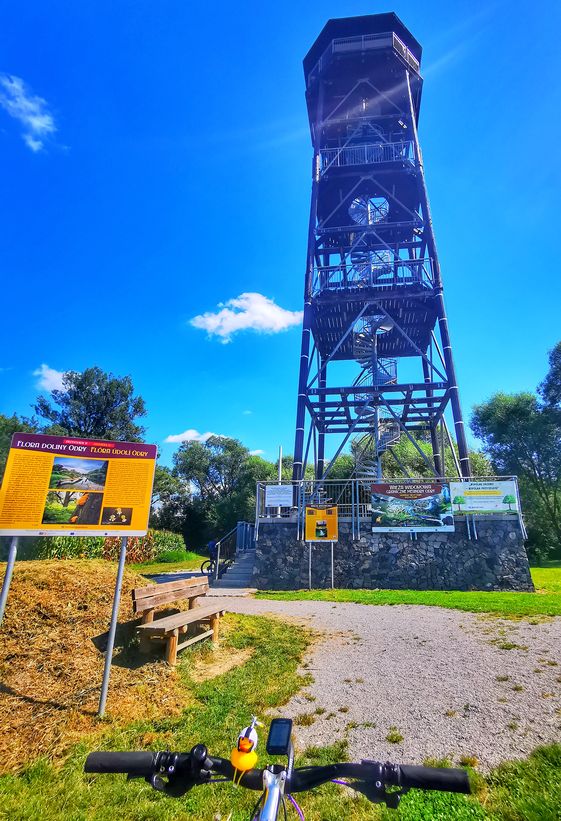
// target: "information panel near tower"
[[60, 485], [376, 358]]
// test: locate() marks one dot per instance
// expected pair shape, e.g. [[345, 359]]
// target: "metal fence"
[[373, 272], [367, 154], [353, 498], [365, 42]]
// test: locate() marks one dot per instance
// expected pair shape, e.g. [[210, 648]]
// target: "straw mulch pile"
[[51, 661]]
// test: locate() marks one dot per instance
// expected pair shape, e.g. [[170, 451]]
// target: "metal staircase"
[[239, 573], [378, 372]]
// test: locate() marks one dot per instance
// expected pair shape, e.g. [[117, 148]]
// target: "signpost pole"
[[309, 565], [280, 476], [112, 627], [8, 575], [332, 569]]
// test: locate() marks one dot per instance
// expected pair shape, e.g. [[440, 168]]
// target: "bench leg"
[[214, 623], [171, 648], [145, 646]]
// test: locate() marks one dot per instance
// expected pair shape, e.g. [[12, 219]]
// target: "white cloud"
[[30, 110], [247, 311], [256, 452], [247, 412], [49, 379], [190, 435]]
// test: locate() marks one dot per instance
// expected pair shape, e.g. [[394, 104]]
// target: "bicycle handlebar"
[[194, 768]]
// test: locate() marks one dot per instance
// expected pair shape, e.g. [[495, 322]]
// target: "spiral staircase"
[[376, 372]]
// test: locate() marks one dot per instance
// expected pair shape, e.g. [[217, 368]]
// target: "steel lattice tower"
[[373, 287]]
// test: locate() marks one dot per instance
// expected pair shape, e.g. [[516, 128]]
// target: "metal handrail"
[[373, 274], [352, 496], [367, 154], [363, 42]]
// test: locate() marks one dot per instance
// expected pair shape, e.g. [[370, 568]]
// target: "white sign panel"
[[278, 496], [484, 497]]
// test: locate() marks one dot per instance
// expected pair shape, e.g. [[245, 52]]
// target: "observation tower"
[[376, 359]]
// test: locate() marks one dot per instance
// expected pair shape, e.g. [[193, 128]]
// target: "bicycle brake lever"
[[377, 794]]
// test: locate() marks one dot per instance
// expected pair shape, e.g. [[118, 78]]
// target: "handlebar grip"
[[435, 778], [141, 764]]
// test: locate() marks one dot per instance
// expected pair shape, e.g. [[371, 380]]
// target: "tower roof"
[[354, 26]]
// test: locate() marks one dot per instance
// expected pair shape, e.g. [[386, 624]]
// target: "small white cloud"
[[256, 452], [190, 435], [49, 379], [247, 412], [30, 110], [249, 311]]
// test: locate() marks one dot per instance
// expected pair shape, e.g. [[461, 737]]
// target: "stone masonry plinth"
[[496, 560]]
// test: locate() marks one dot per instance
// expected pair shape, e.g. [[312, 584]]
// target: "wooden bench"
[[170, 628]]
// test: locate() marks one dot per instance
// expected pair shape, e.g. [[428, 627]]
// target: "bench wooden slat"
[[171, 623], [207, 634], [158, 598], [143, 592]]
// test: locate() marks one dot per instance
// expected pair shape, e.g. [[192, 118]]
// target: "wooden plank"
[[162, 626], [207, 634], [165, 598], [143, 592]]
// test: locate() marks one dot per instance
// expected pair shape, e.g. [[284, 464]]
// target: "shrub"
[[139, 548], [68, 547], [164, 541]]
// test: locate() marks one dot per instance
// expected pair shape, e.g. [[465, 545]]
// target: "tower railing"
[[353, 498], [393, 274], [364, 42], [367, 154]]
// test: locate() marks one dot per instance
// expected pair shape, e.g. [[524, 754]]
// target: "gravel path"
[[443, 678]]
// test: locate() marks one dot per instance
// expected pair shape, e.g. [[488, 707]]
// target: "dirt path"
[[450, 683]]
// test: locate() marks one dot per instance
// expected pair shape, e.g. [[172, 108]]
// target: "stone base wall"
[[496, 560]]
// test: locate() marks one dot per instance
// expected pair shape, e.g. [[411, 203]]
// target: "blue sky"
[[156, 163]]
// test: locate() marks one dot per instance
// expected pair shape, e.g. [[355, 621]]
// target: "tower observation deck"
[[373, 295]]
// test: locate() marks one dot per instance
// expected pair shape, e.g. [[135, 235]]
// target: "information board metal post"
[[112, 627], [8, 575], [309, 565], [332, 568]]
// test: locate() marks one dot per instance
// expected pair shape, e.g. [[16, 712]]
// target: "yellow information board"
[[59, 485], [321, 524]]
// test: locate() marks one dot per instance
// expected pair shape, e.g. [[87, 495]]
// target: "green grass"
[[57, 791], [221, 707], [547, 579], [502, 604], [546, 602], [189, 561]]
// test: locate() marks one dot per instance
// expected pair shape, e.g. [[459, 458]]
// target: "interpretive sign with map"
[[60, 485], [419, 507]]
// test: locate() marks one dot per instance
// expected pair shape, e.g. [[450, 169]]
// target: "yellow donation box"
[[321, 524]]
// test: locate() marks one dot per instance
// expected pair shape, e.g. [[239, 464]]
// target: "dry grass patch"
[[222, 661], [52, 646]]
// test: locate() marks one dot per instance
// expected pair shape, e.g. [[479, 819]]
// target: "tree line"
[[211, 485]]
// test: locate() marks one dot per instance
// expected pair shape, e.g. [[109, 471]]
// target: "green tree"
[[459, 500], [509, 500], [170, 499], [550, 388], [523, 437], [223, 476], [342, 468], [8, 426], [95, 404]]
